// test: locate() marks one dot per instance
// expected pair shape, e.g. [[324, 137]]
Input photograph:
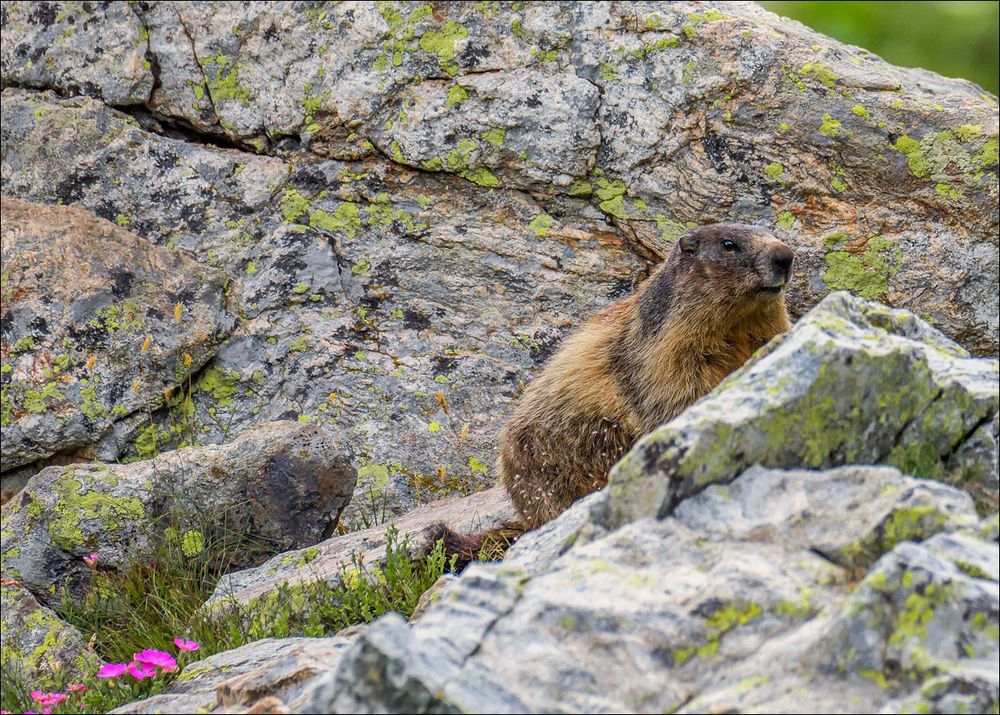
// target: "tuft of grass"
[[150, 603]]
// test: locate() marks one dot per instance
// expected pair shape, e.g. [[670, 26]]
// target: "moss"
[[346, 219], [219, 383], [78, 501], [786, 219], [541, 224], [867, 274], [774, 170], [457, 95], [293, 205], [192, 543], [442, 44], [830, 126]]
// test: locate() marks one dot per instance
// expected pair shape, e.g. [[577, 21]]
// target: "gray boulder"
[[743, 599], [853, 382], [99, 325], [285, 484]]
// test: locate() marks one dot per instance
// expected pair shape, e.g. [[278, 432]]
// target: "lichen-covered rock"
[[657, 114], [256, 587], [284, 483], [853, 382], [95, 48], [742, 600], [98, 325], [423, 198], [36, 646], [267, 676]]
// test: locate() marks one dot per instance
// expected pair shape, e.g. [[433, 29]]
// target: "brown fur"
[[640, 362]]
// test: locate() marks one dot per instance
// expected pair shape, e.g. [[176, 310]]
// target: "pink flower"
[[112, 670], [141, 671], [157, 657], [186, 645], [91, 560], [47, 698], [76, 688]]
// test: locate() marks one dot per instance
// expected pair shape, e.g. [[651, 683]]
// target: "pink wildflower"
[[47, 698], [91, 560], [112, 670], [157, 657], [141, 671], [76, 688], [186, 645]]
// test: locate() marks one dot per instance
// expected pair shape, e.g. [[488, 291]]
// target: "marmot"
[[639, 362]]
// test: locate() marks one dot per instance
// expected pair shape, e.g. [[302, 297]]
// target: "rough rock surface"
[[853, 382], [284, 483], [270, 675], [742, 600], [38, 646], [81, 297], [478, 513], [413, 199]]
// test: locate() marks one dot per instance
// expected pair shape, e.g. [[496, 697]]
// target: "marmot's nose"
[[781, 258]]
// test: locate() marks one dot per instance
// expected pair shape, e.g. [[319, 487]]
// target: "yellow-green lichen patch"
[[541, 224], [819, 72], [346, 219], [611, 193], [774, 170], [442, 43], [580, 188], [863, 272], [79, 500], [361, 266], [481, 176], [495, 136], [671, 229], [299, 345], [38, 401], [457, 95], [293, 205], [785, 220], [829, 126], [903, 524], [224, 82], [219, 383], [861, 111]]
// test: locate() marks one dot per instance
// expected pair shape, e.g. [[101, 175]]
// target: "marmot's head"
[[739, 261]]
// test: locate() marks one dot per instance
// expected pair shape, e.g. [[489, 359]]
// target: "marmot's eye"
[[729, 245]]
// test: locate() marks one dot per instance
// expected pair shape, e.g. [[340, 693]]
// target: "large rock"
[[742, 600], [657, 114], [853, 382], [98, 325], [266, 676], [413, 199], [284, 484], [36, 646], [255, 588]]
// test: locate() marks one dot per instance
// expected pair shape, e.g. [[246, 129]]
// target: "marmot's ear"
[[689, 243]]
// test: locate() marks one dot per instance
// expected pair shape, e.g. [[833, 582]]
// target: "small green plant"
[[136, 617]]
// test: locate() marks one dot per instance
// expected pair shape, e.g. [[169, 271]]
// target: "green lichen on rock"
[[785, 220], [293, 205], [442, 44], [457, 95], [481, 176], [494, 136], [84, 498], [671, 229], [611, 193], [830, 126], [820, 72], [904, 524], [346, 219], [541, 224], [219, 383], [864, 273], [774, 170]]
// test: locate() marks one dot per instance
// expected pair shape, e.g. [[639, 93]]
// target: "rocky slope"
[[411, 199], [291, 251]]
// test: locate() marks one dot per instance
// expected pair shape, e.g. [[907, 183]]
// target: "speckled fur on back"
[[641, 361]]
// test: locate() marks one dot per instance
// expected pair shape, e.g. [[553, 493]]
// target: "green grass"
[[151, 603]]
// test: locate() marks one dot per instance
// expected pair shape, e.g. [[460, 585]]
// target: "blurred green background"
[[956, 39]]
